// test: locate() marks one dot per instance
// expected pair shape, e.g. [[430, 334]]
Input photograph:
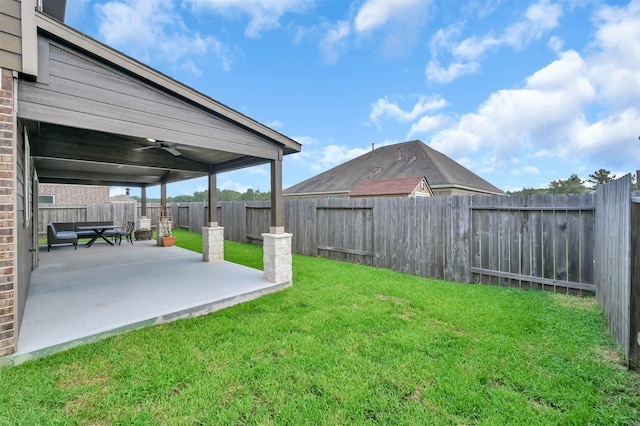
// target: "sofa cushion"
[[66, 235]]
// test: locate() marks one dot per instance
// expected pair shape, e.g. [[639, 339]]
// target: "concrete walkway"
[[79, 296]]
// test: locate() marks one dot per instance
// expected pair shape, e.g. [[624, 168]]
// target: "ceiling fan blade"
[[142, 148], [172, 150]]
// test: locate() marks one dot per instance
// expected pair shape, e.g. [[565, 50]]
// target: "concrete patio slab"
[[79, 296]]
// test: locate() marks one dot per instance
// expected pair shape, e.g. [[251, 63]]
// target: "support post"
[[163, 204], [277, 243], [213, 235], [213, 199], [143, 201], [277, 208]]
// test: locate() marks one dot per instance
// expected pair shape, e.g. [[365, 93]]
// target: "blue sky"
[[520, 92]]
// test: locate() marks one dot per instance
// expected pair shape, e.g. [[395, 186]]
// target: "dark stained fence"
[[534, 242], [634, 325], [344, 230], [543, 242], [613, 258]]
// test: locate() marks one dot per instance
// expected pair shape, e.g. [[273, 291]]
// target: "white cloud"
[[383, 108], [438, 74], [234, 186], [615, 67], [428, 124], [539, 18], [525, 170], [400, 19], [151, 30], [275, 124], [547, 118], [333, 42], [332, 155], [317, 158], [263, 15], [257, 170], [556, 44], [377, 13], [545, 111]]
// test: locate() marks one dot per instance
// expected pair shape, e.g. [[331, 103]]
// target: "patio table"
[[99, 231]]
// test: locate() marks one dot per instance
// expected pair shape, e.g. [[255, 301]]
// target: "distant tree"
[[528, 191], [201, 195], [600, 177], [180, 199], [223, 195], [572, 185], [228, 195]]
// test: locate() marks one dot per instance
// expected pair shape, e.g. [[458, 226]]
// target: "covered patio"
[[80, 112], [79, 296]]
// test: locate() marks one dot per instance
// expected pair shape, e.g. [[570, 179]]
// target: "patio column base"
[[143, 223], [277, 257], [212, 244]]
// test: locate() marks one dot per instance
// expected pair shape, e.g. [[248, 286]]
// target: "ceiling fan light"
[[151, 139]]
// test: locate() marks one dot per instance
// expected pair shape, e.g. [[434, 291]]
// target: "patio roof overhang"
[[96, 116]]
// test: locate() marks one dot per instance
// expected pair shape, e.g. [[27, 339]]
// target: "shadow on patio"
[[79, 296]]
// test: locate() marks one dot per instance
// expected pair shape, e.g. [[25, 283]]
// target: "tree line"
[[574, 184], [223, 195]]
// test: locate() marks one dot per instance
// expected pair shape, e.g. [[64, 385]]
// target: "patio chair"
[[127, 233]]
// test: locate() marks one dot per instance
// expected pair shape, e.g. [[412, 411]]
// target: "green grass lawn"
[[346, 344]]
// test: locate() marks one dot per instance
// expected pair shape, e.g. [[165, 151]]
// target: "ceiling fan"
[[167, 146]]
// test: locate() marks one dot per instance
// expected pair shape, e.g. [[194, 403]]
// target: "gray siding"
[[23, 257], [76, 90], [10, 35]]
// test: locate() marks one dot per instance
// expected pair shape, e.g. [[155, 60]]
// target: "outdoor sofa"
[[68, 232]]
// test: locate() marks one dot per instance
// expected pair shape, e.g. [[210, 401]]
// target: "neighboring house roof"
[[389, 187], [407, 159]]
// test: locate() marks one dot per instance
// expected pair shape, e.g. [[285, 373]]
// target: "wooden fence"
[[531, 241], [618, 294]]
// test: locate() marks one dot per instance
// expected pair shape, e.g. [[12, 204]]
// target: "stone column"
[[164, 229], [143, 223], [212, 243], [277, 257]]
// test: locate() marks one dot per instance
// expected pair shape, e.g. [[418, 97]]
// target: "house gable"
[[403, 160], [402, 187], [78, 91]]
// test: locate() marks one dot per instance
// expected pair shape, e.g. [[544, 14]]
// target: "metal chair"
[[127, 233]]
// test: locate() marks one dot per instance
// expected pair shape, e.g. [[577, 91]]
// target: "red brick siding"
[[75, 194], [7, 215]]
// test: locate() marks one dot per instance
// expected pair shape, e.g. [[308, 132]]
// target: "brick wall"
[[7, 213], [75, 194]]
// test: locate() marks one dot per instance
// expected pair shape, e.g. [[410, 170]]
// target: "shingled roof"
[[407, 159], [389, 187]]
